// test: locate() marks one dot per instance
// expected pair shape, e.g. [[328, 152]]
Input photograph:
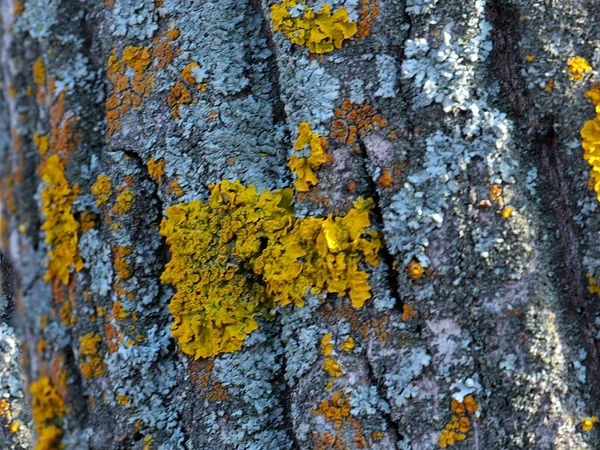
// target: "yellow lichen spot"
[[326, 344], [156, 169], [333, 368], [48, 408], [102, 189], [337, 408], [414, 270], [59, 223], [549, 86], [119, 312], [507, 212], [124, 202], [530, 58], [303, 166], [590, 134], [88, 221], [122, 400], [214, 245], [587, 423], [348, 344], [39, 72], [577, 67], [148, 442], [321, 32], [41, 142], [91, 364], [15, 426]]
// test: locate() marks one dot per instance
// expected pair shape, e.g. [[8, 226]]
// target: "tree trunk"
[[406, 260]]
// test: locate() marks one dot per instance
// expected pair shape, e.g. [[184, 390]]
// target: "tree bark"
[[460, 119]]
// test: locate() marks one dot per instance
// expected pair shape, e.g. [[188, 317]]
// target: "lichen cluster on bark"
[[286, 224]]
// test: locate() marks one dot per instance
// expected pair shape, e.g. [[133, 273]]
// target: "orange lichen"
[[408, 312], [354, 121], [414, 270], [87, 221], [179, 95], [92, 365], [303, 166], [336, 408], [122, 267], [320, 32], [367, 13], [18, 8], [64, 135], [156, 169], [48, 409], [577, 67], [238, 230], [385, 179], [458, 427], [59, 223], [173, 34]]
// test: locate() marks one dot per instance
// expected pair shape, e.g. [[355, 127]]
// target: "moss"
[[47, 408], [241, 252], [59, 222], [303, 167], [321, 32]]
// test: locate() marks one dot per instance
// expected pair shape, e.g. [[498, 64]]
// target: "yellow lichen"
[[348, 344], [577, 67], [48, 408], [590, 134], [333, 368], [124, 202], [303, 167], [326, 344], [59, 224], [41, 142], [156, 169], [587, 423], [242, 251], [91, 364], [321, 32], [39, 72], [102, 189]]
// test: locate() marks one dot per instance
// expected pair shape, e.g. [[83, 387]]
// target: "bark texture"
[[459, 118]]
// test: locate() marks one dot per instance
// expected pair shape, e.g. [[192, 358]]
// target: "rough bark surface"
[[457, 117]]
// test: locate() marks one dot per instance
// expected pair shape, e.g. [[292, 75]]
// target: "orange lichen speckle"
[[368, 12], [385, 179], [39, 72], [354, 121], [408, 312], [458, 427], [414, 270], [179, 95], [320, 32], [336, 408]]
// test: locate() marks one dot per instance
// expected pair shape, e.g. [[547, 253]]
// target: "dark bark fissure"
[[567, 258], [375, 381], [287, 401], [388, 259]]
